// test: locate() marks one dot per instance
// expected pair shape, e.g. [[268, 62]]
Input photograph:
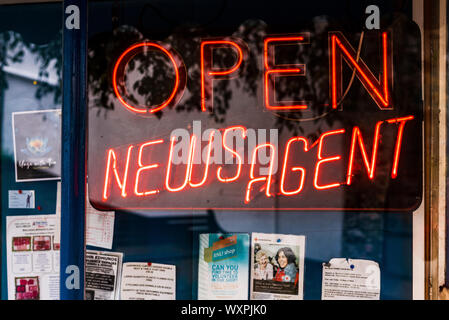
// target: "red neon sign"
[[379, 89], [206, 169], [322, 160], [255, 183], [188, 166], [273, 70], [311, 165], [293, 169], [234, 154], [357, 137], [121, 182], [144, 168], [118, 76], [397, 150], [340, 48], [267, 179], [208, 73]]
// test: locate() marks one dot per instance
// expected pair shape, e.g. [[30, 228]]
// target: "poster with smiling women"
[[277, 266]]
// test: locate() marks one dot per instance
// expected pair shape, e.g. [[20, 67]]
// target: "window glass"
[[326, 124]]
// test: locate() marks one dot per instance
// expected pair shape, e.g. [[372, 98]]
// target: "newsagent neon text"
[[131, 184]]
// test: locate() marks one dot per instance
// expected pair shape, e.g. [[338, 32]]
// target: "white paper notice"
[[103, 272], [277, 266], [99, 227], [350, 280], [144, 281], [21, 199], [32, 257], [58, 212]]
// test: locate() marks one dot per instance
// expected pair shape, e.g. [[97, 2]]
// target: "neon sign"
[[120, 178], [339, 49], [339, 168]]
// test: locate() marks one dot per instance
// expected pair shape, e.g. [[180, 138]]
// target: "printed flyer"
[[277, 266], [223, 267], [37, 145], [103, 273], [32, 257], [21, 199], [148, 281], [351, 279], [99, 227]]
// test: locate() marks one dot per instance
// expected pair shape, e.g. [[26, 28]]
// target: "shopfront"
[[198, 150]]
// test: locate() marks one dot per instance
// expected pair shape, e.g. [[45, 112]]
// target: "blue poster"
[[223, 267]]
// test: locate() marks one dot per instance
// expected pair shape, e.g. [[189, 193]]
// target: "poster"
[[58, 211], [351, 279], [99, 226], [148, 281], [223, 267], [37, 145], [103, 273], [277, 266], [21, 199], [32, 257]]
